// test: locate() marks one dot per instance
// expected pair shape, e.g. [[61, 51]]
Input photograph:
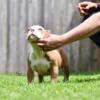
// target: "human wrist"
[[63, 39]]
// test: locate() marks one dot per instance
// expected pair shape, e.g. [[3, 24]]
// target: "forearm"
[[85, 29]]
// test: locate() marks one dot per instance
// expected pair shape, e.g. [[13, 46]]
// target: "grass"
[[79, 87]]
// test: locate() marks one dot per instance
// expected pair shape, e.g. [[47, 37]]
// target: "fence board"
[[3, 35], [58, 16]]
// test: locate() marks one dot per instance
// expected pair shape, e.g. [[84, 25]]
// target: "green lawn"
[[79, 87]]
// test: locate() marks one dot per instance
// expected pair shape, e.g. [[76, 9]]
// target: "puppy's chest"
[[39, 62]]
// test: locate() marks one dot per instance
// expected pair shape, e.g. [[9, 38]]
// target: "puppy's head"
[[36, 32]]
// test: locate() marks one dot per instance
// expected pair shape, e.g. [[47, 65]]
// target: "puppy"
[[42, 62]]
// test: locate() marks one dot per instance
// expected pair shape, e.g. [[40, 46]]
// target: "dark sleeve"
[[96, 37], [98, 6]]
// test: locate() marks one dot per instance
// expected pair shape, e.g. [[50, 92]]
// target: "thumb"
[[41, 41], [88, 7], [40, 44]]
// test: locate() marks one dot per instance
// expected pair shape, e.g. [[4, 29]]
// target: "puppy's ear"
[[46, 33], [49, 31]]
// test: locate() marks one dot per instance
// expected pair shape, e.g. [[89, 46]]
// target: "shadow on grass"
[[86, 80], [77, 78], [86, 77]]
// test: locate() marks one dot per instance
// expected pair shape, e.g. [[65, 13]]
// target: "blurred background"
[[57, 15]]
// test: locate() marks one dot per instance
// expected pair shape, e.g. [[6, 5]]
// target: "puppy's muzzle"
[[32, 38]]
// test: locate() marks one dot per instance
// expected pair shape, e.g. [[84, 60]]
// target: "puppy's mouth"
[[33, 38]]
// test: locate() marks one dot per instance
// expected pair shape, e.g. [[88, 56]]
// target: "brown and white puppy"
[[44, 63]]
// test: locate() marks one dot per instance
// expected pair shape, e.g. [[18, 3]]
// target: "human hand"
[[50, 43], [85, 7]]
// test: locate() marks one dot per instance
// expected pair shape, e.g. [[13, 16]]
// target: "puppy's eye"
[[32, 30], [40, 29], [28, 29]]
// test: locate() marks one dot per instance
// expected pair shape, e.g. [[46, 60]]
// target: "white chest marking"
[[38, 62]]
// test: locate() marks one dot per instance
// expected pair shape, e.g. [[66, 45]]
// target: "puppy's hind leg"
[[66, 72], [54, 74], [65, 64]]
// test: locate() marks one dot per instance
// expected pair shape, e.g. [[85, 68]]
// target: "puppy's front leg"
[[40, 78], [30, 73], [54, 73]]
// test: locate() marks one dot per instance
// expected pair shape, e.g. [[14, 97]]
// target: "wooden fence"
[[57, 15]]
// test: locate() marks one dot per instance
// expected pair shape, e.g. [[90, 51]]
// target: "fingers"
[[49, 43], [44, 47], [83, 11], [48, 48], [40, 44], [88, 7], [83, 8], [83, 4], [91, 6], [43, 44], [42, 41]]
